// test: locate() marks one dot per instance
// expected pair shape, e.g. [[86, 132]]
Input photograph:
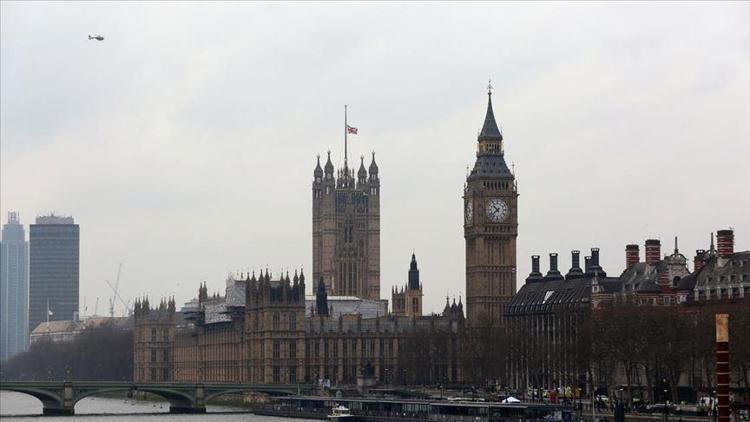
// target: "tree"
[[101, 353]]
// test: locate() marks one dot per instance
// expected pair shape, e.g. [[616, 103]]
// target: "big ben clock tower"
[[490, 228]]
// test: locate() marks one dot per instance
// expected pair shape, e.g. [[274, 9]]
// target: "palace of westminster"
[[267, 329]]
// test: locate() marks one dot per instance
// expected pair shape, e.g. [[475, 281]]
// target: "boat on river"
[[340, 413]]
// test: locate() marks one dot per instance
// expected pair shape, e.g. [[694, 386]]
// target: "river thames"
[[21, 407]]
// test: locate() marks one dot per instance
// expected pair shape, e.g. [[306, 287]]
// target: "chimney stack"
[[632, 256], [595, 258], [553, 262], [535, 274], [587, 264], [553, 273], [725, 243], [664, 277], [575, 268], [700, 260], [653, 251], [594, 267]]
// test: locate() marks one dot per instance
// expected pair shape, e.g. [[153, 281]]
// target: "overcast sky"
[[184, 143]]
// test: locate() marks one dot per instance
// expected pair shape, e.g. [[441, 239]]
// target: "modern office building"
[[14, 288], [53, 270]]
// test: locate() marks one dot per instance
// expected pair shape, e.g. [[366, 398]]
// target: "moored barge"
[[392, 409]]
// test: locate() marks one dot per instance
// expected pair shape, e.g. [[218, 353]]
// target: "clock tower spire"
[[490, 227]]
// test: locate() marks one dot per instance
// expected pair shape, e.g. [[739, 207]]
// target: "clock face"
[[497, 210], [468, 212]]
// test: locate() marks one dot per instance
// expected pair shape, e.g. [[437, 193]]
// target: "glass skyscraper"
[[53, 270], [14, 288]]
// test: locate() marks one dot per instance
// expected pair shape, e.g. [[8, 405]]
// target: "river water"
[[22, 407]]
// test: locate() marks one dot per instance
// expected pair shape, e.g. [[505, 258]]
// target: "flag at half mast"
[[347, 130]]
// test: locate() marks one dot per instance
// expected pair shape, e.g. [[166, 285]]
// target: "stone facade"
[[490, 228], [407, 301], [258, 333], [346, 229], [153, 341]]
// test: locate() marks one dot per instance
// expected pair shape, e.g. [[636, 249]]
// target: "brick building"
[[549, 313]]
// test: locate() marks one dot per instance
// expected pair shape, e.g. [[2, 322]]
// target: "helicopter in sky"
[[96, 37]]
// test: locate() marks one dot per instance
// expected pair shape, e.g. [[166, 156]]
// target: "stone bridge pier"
[[62, 404], [182, 404]]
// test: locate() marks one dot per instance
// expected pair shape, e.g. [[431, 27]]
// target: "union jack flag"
[[351, 129]]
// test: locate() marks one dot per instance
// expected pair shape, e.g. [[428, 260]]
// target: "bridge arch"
[[266, 389], [52, 402]]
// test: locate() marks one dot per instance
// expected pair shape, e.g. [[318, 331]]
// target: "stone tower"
[[407, 300], [346, 230], [490, 228]]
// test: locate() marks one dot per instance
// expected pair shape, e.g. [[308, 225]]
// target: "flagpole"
[[346, 132]]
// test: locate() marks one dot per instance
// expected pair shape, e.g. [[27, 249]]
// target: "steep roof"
[[490, 130], [548, 296]]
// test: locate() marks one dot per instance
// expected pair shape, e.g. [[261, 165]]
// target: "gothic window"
[[292, 374], [153, 355], [276, 374], [276, 349], [276, 321], [292, 321], [293, 349], [153, 334]]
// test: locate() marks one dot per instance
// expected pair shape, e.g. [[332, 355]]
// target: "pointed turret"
[[329, 167], [318, 172], [490, 162], [373, 168], [413, 273], [490, 130], [362, 173]]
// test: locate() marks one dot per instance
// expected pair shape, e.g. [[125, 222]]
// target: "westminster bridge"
[[60, 397]]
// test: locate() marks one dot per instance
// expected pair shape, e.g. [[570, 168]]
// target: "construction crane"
[[116, 296], [114, 292]]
